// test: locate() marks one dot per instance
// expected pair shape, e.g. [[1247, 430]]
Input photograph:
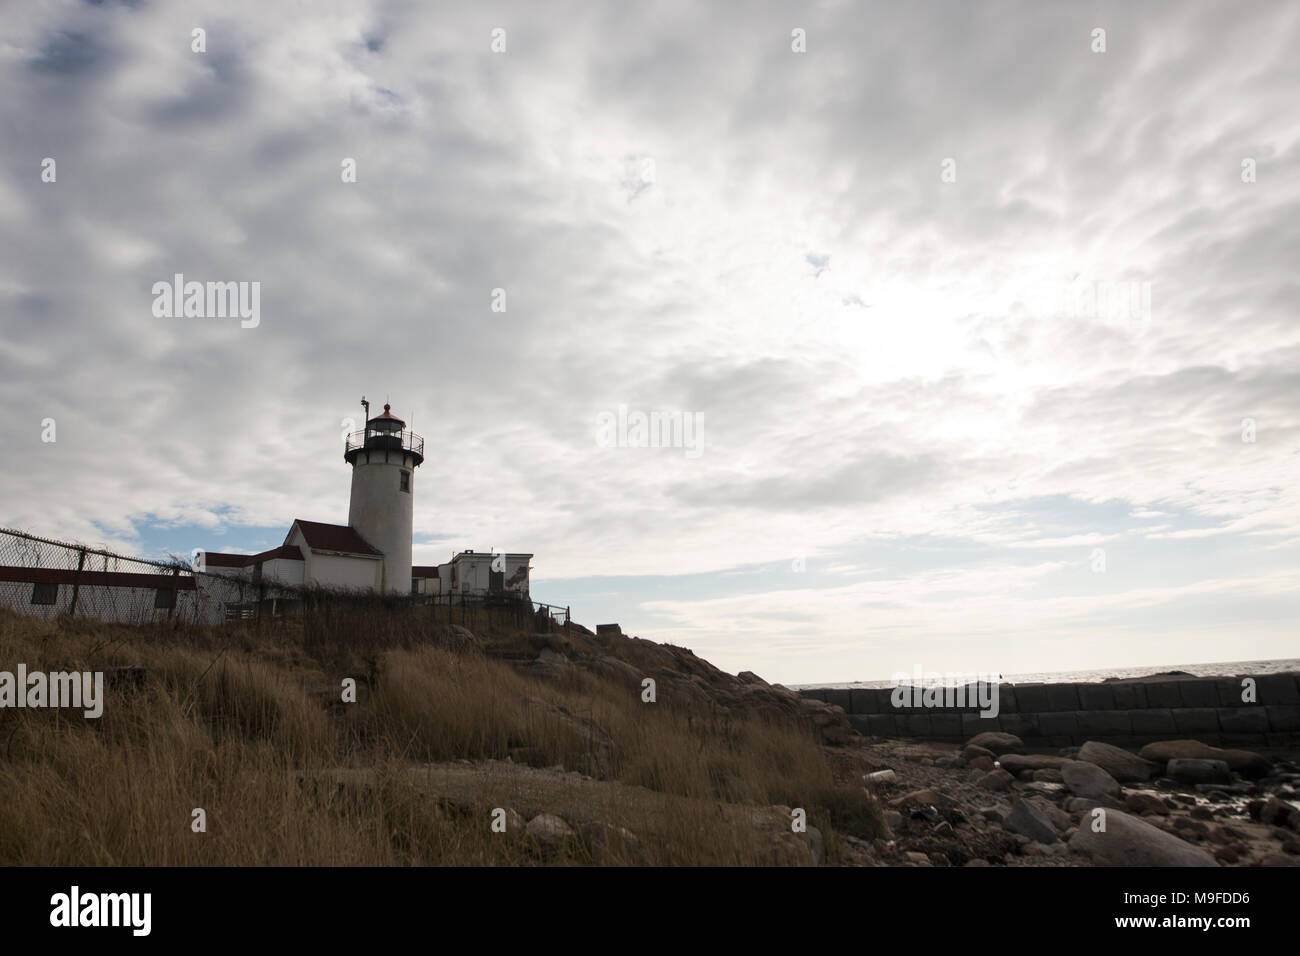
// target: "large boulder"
[[608, 843], [1189, 770], [829, 720], [1142, 803], [1027, 820], [548, 666], [997, 742], [1014, 763], [1058, 817], [1119, 763], [590, 748], [457, 639], [1244, 762], [1274, 812], [781, 846], [1088, 780], [995, 780], [550, 832], [1128, 841], [812, 837]]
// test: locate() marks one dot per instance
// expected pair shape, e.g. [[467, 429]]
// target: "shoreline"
[[995, 802], [1100, 675]]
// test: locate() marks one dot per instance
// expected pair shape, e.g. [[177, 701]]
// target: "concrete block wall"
[[1209, 709]]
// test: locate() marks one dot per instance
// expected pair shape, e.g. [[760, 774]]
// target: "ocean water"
[[1219, 669]]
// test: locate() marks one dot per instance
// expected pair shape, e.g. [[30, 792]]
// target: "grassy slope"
[[247, 724]]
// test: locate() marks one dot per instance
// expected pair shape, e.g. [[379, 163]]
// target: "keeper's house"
[[326, 555]]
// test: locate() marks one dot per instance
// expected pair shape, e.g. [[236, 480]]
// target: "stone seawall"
[[1124, 712]]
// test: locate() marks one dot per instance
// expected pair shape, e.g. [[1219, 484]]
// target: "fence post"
[[261, 593], [76, 582], [176, 592]]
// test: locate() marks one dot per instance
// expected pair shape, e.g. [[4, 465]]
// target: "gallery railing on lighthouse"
[[371, 438]]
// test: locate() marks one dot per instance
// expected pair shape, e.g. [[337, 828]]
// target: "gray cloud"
[[863, 340]]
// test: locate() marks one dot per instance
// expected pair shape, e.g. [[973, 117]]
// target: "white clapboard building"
[[474, 574]]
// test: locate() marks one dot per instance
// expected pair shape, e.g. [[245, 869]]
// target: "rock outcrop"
[[1119, 763], [1244, 762], [1088, 780], [1128, 841]]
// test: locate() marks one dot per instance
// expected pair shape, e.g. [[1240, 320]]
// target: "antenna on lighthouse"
[[366, 405]]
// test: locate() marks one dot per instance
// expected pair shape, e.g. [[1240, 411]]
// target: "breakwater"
[[1242, 711]]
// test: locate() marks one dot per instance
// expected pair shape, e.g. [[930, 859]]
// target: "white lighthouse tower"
[[383, 458]]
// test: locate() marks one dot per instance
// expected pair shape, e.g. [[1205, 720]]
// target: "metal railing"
[[391, 441], [457, 606]]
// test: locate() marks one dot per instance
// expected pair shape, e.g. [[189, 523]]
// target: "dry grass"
[[230, 720]]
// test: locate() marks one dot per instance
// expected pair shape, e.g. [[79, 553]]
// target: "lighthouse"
[[384, 457]]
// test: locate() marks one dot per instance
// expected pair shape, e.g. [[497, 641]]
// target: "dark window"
[[45, 593], [406, 481], [497, 580], [164, 598]]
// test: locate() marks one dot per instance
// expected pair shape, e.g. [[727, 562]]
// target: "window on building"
[[164, 598], [497, 580], [45, 593], [406, 481]]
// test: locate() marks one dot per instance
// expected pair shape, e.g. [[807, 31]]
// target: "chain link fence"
[[44, 578]]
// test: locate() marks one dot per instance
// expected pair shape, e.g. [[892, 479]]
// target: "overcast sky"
[[862, 270]]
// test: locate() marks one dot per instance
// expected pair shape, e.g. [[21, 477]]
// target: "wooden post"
[[76, 582], [261, 592]]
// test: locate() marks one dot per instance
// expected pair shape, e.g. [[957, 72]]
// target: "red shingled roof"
[[424, 571], [333, 537], [287, 552], [387, 416]]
